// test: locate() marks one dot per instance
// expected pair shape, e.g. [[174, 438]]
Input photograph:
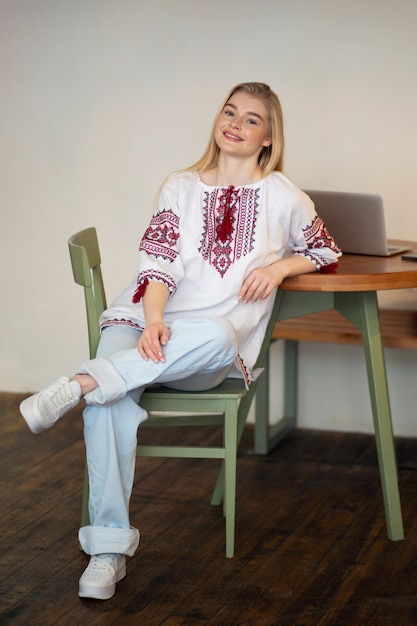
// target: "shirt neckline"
[[248, 186]]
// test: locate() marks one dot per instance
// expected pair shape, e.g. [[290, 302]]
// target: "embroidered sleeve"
[[159, 259], [309, 235], [321, 249], [161, 236], [143, 281]]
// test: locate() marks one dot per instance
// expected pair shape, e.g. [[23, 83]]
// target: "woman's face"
[[242, 128]]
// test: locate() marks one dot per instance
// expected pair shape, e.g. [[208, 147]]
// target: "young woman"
[[209, 264]]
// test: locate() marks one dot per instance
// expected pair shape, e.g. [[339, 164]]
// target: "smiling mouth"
[[232, 136]]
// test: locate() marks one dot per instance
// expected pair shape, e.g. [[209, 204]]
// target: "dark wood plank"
[[311, 545], [398, 328]]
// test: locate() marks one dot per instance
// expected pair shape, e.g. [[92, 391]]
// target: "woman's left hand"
[[260, 283]]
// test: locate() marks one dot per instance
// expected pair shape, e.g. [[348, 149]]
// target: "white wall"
[[101, 99]]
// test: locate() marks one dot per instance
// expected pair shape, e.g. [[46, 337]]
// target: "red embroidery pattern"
[[161, 236], [121, 322], [229, 225], [152, 274], [317, 236], [245, 371]]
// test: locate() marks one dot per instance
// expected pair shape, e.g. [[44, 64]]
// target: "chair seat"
[[231, 387]]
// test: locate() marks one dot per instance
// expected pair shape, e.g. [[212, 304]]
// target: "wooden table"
[[351, 290]]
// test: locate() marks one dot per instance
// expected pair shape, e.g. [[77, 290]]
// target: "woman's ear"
[[267, 142]]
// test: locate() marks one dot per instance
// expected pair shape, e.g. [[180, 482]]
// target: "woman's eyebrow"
[[228, 104]]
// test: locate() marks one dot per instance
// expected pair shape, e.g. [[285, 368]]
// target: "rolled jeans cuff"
[[104, 540], [111, 386]]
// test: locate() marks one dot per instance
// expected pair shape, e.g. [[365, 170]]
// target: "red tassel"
[[225, 228], [140, 291], [328, 269]]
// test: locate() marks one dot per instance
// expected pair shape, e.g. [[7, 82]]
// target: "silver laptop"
[[356, 221]]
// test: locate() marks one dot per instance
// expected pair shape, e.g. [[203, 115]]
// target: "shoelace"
[[60, 397], [103, 562]]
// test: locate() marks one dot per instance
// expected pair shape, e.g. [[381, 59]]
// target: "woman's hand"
[[151, 342], [262, 281]]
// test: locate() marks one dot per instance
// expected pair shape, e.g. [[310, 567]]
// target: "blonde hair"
[[271, 157]]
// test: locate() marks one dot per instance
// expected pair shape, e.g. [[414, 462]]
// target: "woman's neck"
[[236, 173]]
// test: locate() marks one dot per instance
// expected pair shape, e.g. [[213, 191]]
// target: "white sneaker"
[[43, 409], [100, 578]]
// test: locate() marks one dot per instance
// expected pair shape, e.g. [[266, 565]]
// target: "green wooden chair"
[[226, 405]]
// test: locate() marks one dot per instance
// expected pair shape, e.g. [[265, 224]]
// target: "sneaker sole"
[[29, 416], [102, 593]]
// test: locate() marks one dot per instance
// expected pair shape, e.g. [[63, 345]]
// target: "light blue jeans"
[[199, 355]]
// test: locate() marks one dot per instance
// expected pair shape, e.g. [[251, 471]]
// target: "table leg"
[[289, 304], [361, 308], [268, 435]]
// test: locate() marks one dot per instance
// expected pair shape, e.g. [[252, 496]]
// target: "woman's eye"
[[252, 121]]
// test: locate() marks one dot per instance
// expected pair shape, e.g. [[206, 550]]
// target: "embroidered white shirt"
[[204, 269]]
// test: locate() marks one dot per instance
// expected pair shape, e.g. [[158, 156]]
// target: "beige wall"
[[103, 98]]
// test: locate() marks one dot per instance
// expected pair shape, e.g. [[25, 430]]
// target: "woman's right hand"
[[151, 342]]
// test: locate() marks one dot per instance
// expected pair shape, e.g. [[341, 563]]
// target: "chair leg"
[[85, 516], [231, 441], [244, 406], [243, 410], [217, 497]]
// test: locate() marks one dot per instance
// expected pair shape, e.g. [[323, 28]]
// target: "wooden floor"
[[311, 545]]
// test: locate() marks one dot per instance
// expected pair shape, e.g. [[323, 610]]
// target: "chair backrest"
[[86, 267], [85, 260]]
